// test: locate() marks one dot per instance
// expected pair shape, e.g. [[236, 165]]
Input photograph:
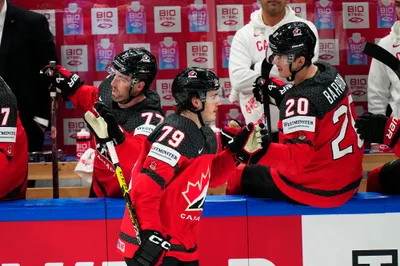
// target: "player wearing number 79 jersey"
[[318, 161], [170, 181]]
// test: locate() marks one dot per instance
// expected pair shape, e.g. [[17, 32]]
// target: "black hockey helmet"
[[193, 81], [293, 39], [138, 63]]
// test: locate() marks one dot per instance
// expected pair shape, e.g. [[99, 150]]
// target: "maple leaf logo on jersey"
[[196, 193]]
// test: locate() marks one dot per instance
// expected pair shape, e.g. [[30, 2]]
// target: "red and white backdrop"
[[183, 33]]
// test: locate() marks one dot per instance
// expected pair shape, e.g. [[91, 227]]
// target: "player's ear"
[[140, 86], [196, 102], [301, 60]]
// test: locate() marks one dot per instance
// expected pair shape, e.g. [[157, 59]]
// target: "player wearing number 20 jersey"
[[319, 158], [318, 161]]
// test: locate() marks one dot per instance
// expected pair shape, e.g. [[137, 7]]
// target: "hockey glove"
[[378, 129], [153, 246], [265, 140], [61, 78], [103, 125], [229, 132], [275, 88], [246, 143]]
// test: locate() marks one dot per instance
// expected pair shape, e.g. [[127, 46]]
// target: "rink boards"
[[235, 231]]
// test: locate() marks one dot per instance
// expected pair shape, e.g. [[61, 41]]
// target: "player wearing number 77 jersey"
[[125, 101], [318, 161], [13, 148], [170, 181]]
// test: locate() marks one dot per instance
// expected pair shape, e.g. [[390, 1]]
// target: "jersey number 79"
[[176, 136]]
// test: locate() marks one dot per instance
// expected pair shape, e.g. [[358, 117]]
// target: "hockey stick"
[[382, 55], [265, 70], [125, 190], [54, 149]]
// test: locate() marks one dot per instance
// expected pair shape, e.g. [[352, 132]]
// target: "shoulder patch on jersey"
[[298, 123], [8, 134], [144, 130], [165, 154]]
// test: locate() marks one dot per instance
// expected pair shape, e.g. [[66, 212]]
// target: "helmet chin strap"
[[198, 112], [294, 72]]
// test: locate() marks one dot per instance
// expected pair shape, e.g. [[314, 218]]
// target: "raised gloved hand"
[[275, 88], [247, 142], [265, 140], [103, 124], [378, 129], [229, 132], [152, 248], [61, 78]]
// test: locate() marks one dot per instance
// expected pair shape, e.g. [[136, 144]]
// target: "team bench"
[[43, 171]]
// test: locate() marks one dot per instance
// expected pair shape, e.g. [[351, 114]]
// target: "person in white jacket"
[[383, 84], [248, 50]]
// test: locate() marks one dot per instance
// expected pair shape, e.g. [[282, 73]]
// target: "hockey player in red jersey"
[[318, 161], [170, 181], [13, 148], [377, 128], [124, 97]]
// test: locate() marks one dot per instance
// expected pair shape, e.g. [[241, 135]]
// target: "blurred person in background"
[[383, 84]]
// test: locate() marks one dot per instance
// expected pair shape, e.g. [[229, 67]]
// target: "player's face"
[[120, 87], [273, 7], [210, 110], [398, 8], [282, 62]]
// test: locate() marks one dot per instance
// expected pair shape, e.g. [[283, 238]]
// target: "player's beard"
[[119, 97]]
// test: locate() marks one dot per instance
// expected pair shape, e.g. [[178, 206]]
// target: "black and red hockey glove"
[[275, 88], [152, 248], [247, 142], [378, 129], [265, 140], [62, 78], [229, 132]]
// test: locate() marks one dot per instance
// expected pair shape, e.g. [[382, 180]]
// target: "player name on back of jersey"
[[336, 90]]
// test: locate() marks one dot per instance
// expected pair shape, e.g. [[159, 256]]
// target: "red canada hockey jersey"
[[13, 148], [137, 122], [318, 161], [169, 184]]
